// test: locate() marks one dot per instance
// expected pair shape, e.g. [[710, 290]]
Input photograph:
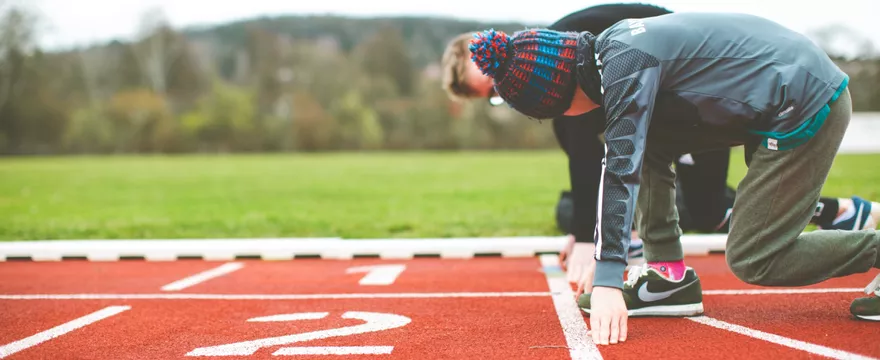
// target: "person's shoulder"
[[596, 19], [621, 10], [648, 33]]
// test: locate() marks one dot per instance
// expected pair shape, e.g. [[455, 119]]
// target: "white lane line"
[[776, 339], [554, 291], [202, 277], [59, 330], [180, 296], [781, 291], [335, 350], [290, 317], [580, 344]]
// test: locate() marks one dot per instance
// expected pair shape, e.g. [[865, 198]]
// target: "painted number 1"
[[373, 322], [378, 274]]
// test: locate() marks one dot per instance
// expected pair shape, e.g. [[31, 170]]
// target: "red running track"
[[426, 309]]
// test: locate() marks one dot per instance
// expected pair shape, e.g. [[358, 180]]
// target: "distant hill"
[[425, 36]]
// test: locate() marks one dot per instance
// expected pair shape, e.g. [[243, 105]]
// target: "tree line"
[[281, 84]]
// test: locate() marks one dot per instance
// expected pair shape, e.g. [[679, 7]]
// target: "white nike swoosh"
[[648, 296]]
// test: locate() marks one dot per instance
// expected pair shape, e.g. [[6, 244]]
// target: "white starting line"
[[556, 290], [181, 296], [783, 291], [324, 248], [778, 340]]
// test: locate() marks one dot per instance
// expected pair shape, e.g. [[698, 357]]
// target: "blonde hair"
[[454, 64]]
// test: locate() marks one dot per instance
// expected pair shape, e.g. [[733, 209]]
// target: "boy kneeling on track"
[[703, 198], [688, 83]]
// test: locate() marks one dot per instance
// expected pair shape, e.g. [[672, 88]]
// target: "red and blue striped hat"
[[533, 71]]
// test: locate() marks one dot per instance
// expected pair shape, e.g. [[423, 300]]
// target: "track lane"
[[270, 277], [20, 319], [307, 276], [95, 277], [682, 339], [448, 327], [821, 319], [73, 324], [524, 328]]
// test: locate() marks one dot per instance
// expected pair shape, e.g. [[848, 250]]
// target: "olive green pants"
[[775, 201]]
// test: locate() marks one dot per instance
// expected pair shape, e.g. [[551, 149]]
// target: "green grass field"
[[348, 195]]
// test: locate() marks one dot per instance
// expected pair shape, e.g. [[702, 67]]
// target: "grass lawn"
[[302, 195]]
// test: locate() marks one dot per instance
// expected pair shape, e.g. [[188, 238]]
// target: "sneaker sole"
[[665, 310], [869, 317]]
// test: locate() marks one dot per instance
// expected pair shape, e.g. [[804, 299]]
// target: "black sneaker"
[[648, 292], [868, 308]]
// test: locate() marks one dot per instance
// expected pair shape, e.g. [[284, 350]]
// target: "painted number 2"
[[373, 322]]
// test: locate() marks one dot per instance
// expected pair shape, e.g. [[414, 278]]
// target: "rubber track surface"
[[485, 308]]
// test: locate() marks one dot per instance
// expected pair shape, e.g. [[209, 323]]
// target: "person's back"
[[737, 69], [597, 18]]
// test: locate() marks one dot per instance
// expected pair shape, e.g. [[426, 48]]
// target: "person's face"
[[480, 85], [580, 104]]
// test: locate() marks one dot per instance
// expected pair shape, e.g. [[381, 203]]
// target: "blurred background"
[[163, 76], [266, 118]]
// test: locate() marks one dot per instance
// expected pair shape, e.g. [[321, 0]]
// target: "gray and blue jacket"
[[718, 79]]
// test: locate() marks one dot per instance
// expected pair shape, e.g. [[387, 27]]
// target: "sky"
[[77, 22]]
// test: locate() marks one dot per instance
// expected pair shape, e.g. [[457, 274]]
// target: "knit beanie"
[[533, 71]]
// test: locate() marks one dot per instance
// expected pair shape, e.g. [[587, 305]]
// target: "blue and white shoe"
[[862, 216]]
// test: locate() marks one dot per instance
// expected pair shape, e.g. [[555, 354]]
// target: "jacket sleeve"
[[631, 80]]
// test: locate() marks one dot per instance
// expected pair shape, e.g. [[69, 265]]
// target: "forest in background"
[[279, 84]]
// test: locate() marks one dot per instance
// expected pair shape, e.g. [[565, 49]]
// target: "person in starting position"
[[686, 83], [703, 198]]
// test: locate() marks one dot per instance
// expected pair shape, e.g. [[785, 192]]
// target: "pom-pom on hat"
[[533, 70]]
